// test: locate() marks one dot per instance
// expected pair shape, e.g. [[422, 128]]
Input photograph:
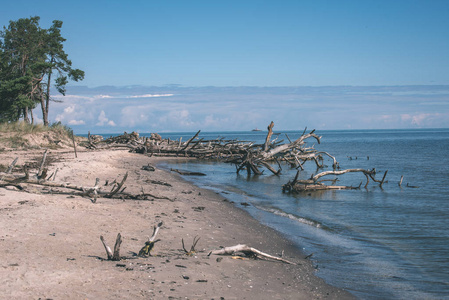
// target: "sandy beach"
[[52, 250]]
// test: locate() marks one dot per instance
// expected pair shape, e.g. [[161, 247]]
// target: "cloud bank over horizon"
[[172, 108]]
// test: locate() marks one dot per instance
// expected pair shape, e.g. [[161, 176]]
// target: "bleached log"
[[334, 160], [314, 184], [149, 245], [249, 251], [319, 175], [10, 179], [285, 147], [155, 231]]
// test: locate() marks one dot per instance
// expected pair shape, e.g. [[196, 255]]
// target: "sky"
[[172, 47]]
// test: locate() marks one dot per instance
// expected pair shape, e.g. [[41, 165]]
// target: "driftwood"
[[257, 157], [192, 248], [94, 192], [148, 168], [253, 158], [40, 172], [158, 182], [40, 179], [74, 144], [248, 251], [11, 166], [247, 156], [117, 187], [314, 183], [115, 256], [188, 172], [149, 245], [9, 170], [189, 141]]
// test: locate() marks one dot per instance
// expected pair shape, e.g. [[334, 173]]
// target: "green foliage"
[[29, 55], [21, 55]]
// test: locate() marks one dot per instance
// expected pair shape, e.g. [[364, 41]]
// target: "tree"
[[30, 56], [56, 61], [21, 54]]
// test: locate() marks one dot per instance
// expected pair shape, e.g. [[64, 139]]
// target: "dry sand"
[[51, 248]]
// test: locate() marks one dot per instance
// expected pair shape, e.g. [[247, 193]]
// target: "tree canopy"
[[29, 57]]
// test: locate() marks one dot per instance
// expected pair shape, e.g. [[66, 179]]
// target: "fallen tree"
[[314, 183], [245, 155], [295, 153], [40, 179], [247, 251]]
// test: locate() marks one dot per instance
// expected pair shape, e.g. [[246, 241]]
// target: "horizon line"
[[282, 131], [256, 86]]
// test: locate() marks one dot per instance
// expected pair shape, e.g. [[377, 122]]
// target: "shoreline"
[[72, 264]]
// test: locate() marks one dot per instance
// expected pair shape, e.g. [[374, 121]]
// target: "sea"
[[389, 242]]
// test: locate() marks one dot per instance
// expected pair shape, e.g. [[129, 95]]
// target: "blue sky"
[[250, 43]]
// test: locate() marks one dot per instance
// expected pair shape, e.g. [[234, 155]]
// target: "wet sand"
[[52, 250]]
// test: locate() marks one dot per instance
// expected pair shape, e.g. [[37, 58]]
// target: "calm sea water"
[[378, 243]]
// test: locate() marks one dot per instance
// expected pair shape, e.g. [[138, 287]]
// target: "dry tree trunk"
[[44, 157], [115, 256], [268, 138], [248, 251], [189, 141]]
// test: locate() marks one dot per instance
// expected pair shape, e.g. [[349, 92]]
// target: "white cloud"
[[69, 109], [102, 96], [242, 108], [76, 122], [411, 120], [387, 118], [135, 115], [81, 97], [150, 95], [406, 117], [59, 118], [420, 119], [177, 118], [210, 121], [102, 120], [67, 113]]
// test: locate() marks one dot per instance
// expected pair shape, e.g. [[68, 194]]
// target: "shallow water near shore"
[[388, 242]]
